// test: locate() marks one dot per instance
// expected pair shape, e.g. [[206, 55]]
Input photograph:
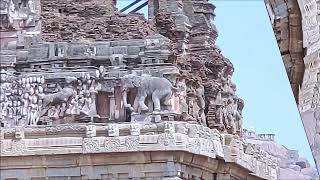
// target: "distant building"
[[251, 134]]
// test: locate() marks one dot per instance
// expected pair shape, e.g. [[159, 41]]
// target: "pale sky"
[[247, 39]]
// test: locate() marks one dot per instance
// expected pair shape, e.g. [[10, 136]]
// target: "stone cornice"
[[169, 136]]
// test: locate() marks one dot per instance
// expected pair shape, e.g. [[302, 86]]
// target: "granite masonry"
[[291, 164], [296, 25], [88, 92]]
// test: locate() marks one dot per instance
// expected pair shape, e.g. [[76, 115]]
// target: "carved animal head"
[[131, 81]]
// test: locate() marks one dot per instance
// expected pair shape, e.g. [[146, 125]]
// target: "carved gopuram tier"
[[98, 94]]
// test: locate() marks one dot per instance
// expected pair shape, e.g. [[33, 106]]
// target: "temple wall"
[[89, 20], [307, 92], [286, 20]]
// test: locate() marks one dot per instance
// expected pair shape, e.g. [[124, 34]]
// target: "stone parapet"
[[155, 49]]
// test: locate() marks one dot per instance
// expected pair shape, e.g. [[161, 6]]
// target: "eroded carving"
[[160, 90]]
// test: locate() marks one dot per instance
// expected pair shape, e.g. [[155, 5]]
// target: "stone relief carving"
[[19, 133], [18, 9], [91, 131], [91, 145], [206, 96], [112, 144], [232, 117], [131, 143], [61, 128], [160, 90], [35, 100], [113, 130], [57, 102], [32, 101], [135, 129]]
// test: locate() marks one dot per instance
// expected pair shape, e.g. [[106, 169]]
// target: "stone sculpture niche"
[[159, 89], [36, 100]]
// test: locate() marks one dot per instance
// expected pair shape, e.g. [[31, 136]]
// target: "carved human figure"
[[219, 116], [34, 111], [229, 117], [199, 93], [63, 110], [84, 100], [159, 89], [25, 102], [182, 94], [53, 112], [238, 117], [2, 112], [226, 84], [182, 128], [221, 75], [10, 111], [73, 108], [169, 128], [18, 114], [92, 100], [88, 90]]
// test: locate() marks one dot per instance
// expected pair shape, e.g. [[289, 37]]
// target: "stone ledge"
[[122, 165], [163, 137]]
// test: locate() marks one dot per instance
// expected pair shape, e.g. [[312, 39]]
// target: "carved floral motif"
[[91, 145], [18, 146], [112, 144]]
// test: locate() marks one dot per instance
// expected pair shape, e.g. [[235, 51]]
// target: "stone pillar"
[[114, 114]]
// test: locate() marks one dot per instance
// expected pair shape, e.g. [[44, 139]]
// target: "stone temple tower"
[[88, 92]]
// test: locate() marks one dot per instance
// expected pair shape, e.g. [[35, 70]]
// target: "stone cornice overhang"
[[206, 167], [205, 146]]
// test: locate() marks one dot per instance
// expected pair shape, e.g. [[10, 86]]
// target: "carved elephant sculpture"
[[159, 89]]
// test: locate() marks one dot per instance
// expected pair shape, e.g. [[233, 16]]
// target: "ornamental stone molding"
[[71, 143]]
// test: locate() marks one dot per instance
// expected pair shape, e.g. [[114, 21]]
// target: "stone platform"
[[167, 149]]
